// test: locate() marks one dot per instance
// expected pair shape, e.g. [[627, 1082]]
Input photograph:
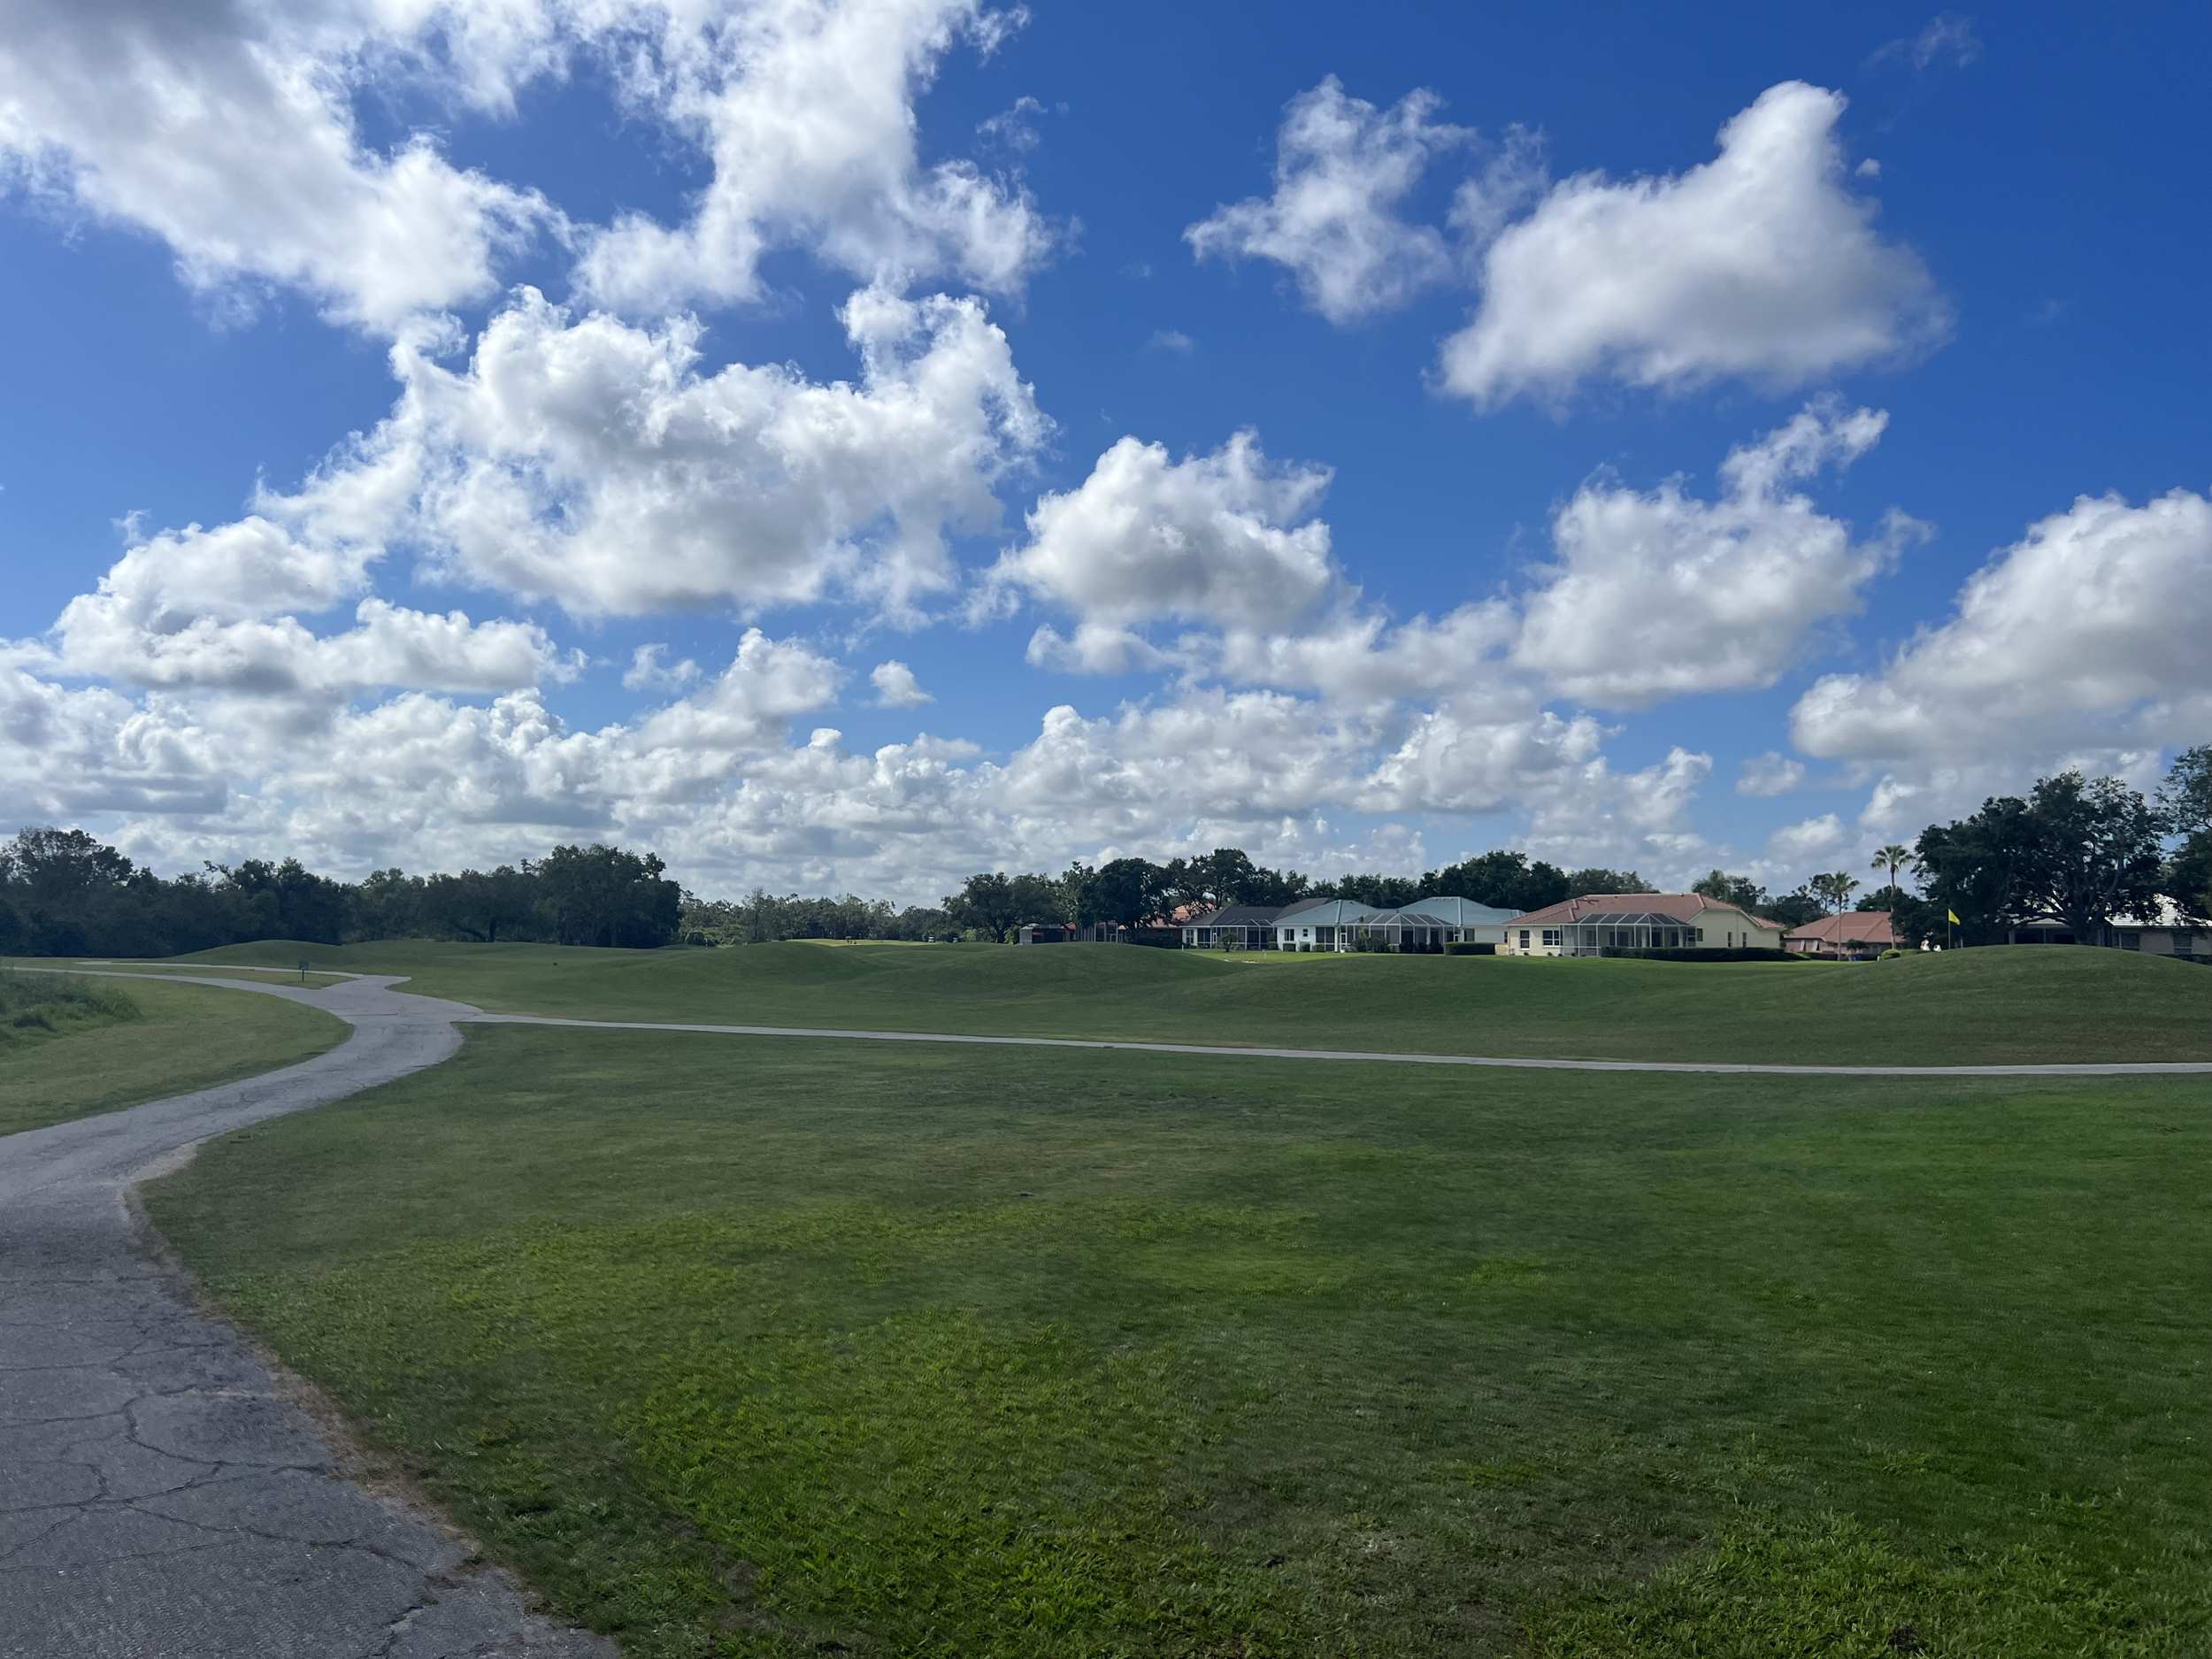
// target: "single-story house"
[[1598, 922], [1427, 924], [2167, 934], [1067, 934], [1233, 927], [1853, 934]]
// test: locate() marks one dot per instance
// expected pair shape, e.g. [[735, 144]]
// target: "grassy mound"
[[769, 1348], [34, 1007], [72, 1046], [1973, 1007]]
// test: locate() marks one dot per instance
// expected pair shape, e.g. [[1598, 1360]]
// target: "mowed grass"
[[744, 1347], [204, 970], [1997, 1005], [70, 1047]]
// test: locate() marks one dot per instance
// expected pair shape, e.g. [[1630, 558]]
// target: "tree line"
[[2088, 851], [64, 894], [1139, 893]]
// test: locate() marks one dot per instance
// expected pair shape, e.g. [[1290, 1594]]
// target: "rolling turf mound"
[[2027, 1004]]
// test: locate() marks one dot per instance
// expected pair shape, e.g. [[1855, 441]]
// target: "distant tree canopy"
[[2086, 851], [64, 894], [762, 916]]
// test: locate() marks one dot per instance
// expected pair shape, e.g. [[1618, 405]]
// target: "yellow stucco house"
[[1598, 922]]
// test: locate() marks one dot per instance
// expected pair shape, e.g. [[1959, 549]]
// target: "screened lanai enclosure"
[[1624, 930]]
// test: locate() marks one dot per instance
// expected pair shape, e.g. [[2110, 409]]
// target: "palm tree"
[[1893, 858], [1837, 888]]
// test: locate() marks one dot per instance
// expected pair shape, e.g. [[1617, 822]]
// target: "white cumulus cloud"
[[227, 132], [806, 111], [2089, 634], [896, 686], [1762, 263], [596, 463], [1227, 537], [1336, 220], [1656, 594]]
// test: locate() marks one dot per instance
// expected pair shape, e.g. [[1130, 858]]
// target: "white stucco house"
[[1427, 924]]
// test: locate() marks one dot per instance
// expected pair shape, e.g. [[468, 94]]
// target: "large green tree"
[[2096, 854], [2083, 850], [1597, 879], [1722, 888], [1507, 880], [2185, 798]]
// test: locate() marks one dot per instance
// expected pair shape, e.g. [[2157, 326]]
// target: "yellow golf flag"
[[1953, 915]]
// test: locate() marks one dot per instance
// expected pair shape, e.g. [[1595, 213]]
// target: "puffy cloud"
[[1360, 656], [1482, 754], [1226, 537], [593, 463], [1656, 594], [649, 669], [66, 752], [896, 686], [749, 705], [806, 110], [1094, 647], [225, 130], [1639, 820], [206, 609], [1761, 264], [1336, 220], [1772, 773], [1808, 841], [2088, 634]]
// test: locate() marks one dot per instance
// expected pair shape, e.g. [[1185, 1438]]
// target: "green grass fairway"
[[109, 1045], [752, 1347], [214, 971], [2029, 1003]]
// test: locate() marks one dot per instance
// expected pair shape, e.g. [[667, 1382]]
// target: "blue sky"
[[324, 534]]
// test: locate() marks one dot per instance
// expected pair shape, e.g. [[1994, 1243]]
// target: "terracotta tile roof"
[[1853, 927]]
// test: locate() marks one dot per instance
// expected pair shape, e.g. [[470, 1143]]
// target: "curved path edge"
[[164, 1494], [2114, 1068]]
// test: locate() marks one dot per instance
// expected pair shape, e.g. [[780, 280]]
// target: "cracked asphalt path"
[[161, 1496]]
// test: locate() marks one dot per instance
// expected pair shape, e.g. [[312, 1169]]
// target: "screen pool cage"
[[1624, 930]]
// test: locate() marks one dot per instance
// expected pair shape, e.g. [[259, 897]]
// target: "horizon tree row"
[[2085, 850], [64, 894]]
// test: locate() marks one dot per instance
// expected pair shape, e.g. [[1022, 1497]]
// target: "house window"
[[1525, 937], [1700, 935], [2131, 942], [1551, 937]]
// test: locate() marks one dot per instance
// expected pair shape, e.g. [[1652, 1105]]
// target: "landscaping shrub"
[[36, 1004], [1891, 951], [1470, 947]]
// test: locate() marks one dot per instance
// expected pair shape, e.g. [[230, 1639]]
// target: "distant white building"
[[2167, 933], [1429, 924]]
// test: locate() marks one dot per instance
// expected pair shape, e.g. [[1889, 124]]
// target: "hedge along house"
[[1600, 922], [1338, 925]]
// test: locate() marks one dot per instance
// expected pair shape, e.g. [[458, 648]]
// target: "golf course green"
[[2025, 1004], [70, 1047], [748, 1347]]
